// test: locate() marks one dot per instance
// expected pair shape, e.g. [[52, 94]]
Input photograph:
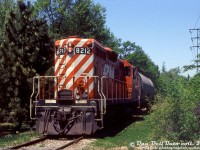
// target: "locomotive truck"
[[88, 79]]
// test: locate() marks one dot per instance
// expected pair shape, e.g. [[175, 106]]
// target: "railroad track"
[[65, 143]]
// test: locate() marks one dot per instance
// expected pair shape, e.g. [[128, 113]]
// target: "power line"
[[197, 21], [197, 45]]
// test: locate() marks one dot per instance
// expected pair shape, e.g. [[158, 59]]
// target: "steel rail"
[[70, 143], [29, 143]]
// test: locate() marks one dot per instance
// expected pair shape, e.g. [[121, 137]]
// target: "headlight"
[[77, 96]]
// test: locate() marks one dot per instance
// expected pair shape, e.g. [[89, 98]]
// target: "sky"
[[160, 27]]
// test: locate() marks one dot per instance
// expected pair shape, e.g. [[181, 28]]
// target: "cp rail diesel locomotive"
[[88, 79]]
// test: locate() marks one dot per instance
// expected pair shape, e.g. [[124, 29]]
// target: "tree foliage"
[[193, 66], [81, 17], [166, 78], [56, 13], [25, 52], [176, 116], [126, 49], [5, 7], [137, 57], [142, 61]]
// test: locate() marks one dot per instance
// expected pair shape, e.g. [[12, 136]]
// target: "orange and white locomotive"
[[88, 79]]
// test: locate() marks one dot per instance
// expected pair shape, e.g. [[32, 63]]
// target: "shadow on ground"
[[117, 122]]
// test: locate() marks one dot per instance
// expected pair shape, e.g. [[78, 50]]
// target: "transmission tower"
[[196, 44]]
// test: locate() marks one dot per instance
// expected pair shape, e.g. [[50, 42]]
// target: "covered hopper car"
[[88, 79]]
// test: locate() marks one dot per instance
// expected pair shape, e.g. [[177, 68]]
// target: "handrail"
[[117, 95], [104, 97], [31, 105], [38, 92]]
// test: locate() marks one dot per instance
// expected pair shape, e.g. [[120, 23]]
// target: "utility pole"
[[197, 45]]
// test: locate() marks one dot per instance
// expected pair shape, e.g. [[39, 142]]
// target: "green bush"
[[174, 117]]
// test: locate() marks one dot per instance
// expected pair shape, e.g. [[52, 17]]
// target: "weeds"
[[14, 139]]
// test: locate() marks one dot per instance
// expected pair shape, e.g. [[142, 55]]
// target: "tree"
[[166, 78], [57, 15], [5, 7], [142, 61], [126, 49], [176, 115], [193, 66], [81, 17], [26, 51], [163, 67], [137, 57]]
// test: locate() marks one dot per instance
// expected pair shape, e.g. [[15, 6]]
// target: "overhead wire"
[[197, 21]]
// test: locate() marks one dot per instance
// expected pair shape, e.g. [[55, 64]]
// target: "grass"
[[14, 139], [137, 131]]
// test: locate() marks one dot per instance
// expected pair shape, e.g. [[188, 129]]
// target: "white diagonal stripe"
[[81, 70], [74, 64]]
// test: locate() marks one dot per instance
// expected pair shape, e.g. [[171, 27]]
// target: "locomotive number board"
[[61, 51], [82, 50]]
